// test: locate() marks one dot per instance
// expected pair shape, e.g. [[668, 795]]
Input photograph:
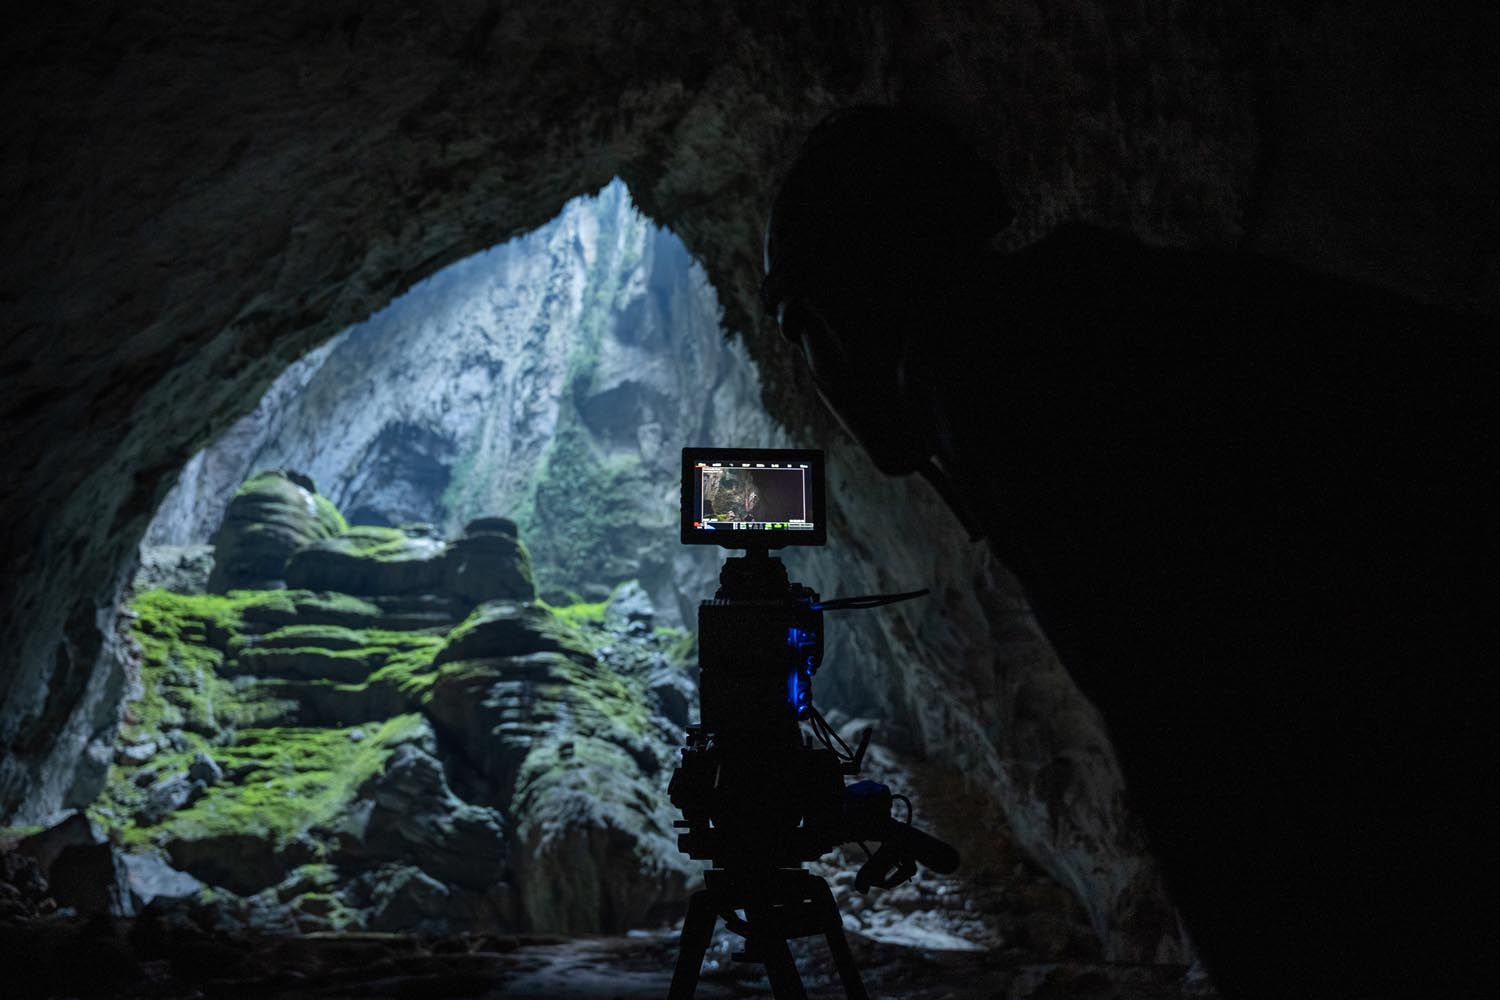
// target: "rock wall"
[[553, 377], [198, 197]]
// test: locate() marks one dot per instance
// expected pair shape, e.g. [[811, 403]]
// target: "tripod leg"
[[838, 943], [770, 941], [697, 934]]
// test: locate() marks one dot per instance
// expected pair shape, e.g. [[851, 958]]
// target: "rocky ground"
[[371, 762], [131, 959]]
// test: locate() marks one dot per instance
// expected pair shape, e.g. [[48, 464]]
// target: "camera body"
[[755, 793], [752, 793]]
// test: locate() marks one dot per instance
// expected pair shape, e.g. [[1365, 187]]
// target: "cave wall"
[[549, 379], [198, 194]]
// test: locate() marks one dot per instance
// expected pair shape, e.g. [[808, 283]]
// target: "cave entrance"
[[412, 630]]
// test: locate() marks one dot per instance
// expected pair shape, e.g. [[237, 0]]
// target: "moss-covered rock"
[[488, 563], [368, 560], [291, 783], [498, 629], [597, 840], [273, 515], [328, 761], [305, 607]]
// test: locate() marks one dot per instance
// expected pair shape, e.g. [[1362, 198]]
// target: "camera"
[[761, 785]]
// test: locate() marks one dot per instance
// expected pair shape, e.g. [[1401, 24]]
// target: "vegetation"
[[257, 718], [374, 542], [190, 700], [288, 779]]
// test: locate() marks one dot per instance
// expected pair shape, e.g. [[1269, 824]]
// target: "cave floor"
[[122, 958]]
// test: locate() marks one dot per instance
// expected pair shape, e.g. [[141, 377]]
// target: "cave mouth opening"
[[413, 647], [411, 633]]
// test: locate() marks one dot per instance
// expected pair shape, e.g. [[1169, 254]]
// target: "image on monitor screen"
[[754, 496]]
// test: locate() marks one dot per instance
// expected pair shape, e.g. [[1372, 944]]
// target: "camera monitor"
[[752, 498]]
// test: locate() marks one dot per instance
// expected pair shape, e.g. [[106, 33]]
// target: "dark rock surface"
[[77, 830], [92, 880], [197, 198], [409, 813]]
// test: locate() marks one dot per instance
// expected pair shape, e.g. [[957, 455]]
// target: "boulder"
[[413, 816], [205, 769], [368, 560], [167, 796], [273, 515], [74, 831], [151, 877], [135, 754], [488, 564], [91, 879], [629, 608], [406, 899]]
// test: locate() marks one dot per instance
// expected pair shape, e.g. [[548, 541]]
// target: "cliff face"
[[553, 378]]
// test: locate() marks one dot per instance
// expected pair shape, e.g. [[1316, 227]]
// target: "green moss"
[[329, 515], [288, 780], [368, 541], [410, 670], [274, 485], [189, 645], [580, 614], [682, 648]]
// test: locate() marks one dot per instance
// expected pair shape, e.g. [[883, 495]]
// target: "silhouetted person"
[[1254, 508]]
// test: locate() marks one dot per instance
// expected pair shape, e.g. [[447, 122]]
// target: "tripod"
[[779, 904]]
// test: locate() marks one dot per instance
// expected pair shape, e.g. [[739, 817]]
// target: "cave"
[[205, 203]]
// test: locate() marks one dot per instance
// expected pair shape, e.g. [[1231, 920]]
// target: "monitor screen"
[[744, 498]]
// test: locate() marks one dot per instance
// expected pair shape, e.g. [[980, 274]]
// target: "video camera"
[[758, 795]]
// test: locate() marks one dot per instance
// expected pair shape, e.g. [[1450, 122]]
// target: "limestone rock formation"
[[271, 516], [322, 759]]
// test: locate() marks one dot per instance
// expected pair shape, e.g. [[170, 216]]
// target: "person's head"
[[877, 214]]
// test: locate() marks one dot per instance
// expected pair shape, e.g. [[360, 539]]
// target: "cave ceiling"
[[196, 194]]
